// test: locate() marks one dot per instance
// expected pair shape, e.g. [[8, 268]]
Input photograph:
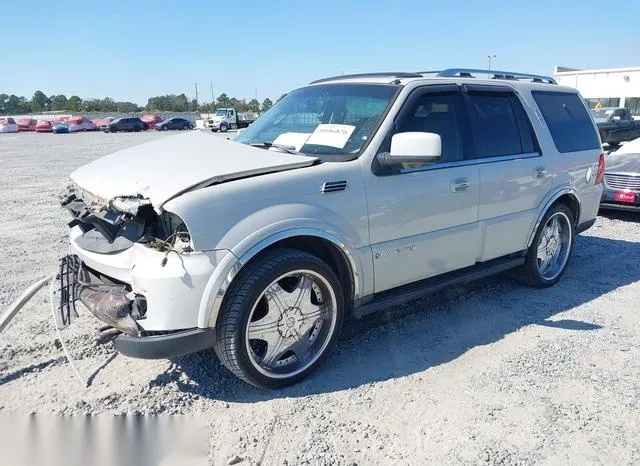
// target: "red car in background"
[[102, 121], [27, 124], [44, 126], [152, 120], [79, 123]]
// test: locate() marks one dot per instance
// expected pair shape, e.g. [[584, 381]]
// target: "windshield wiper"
[[282, 147]]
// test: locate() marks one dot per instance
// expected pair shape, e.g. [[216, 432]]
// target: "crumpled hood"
[[164, 169], [623, 163]]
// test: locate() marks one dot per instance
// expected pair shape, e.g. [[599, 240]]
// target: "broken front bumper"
[[114, 304], [111, 302], [176, 292]]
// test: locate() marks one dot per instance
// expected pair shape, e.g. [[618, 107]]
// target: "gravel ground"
[[492, 374]]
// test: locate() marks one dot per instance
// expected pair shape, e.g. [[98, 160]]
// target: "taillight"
[[601, 166]]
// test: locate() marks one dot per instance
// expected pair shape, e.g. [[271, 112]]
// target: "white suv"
[[351, 194]]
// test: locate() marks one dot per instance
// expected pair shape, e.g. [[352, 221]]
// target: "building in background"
[[615, 87]]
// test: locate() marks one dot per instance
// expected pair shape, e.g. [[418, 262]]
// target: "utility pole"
[[490, 57], [196, 85], [213, 99], [256, 95]]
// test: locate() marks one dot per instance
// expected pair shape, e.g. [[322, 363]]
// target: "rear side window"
[[500, 125], [569, 122]]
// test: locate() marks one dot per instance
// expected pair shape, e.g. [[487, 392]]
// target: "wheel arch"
[[567, 196], [327, 246]]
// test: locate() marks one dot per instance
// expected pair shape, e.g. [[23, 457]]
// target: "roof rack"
[[494, 74], [391, 75], [448, 73]]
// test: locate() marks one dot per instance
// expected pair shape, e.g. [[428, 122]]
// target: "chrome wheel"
[[554, 246], [291, 324]]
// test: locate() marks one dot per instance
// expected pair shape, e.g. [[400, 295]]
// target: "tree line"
[[40, 102]]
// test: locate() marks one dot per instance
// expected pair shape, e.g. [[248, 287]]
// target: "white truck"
[[228, 118]]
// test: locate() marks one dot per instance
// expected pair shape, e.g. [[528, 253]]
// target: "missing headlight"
[[171, 233]]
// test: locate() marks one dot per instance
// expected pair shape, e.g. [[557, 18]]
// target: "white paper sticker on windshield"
[[331, 135], [296, 140]]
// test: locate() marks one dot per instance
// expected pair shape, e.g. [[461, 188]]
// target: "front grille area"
[[623, 181]]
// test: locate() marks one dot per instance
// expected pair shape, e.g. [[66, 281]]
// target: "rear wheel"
[[548, 256], [280, 319], [185, 127]]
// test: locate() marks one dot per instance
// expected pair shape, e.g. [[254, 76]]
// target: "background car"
[[27, 124], [44, 126], [174, 123], [77, 124], [60, 127], [125, 124], [8, 125], [622, 182], [100, 122], [152, 120], [616, 124]]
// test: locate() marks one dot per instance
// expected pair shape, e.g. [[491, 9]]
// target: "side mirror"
[[414, 148]]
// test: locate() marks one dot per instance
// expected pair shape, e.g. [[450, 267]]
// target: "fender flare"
[[550, 201], [223, 276]]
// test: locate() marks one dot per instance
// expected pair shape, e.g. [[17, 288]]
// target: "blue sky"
[[146, 48]]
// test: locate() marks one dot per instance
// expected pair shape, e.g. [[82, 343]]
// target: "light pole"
[[490, 57]]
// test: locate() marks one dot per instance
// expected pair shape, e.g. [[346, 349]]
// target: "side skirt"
[[422, 288]]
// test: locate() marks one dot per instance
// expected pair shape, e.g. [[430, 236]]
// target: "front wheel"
[[280, 319], [224, 128], [548, 256]]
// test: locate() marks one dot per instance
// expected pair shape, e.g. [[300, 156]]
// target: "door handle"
[[539, 173], [460, 185]]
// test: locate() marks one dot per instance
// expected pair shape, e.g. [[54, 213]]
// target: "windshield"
[[221, 113], [330, 119], [601, 115]]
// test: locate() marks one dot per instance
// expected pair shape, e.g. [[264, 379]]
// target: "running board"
[[405, 293]]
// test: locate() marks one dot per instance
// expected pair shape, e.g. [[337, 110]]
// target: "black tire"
[[224, 128], [137, 129], [529, 273], [214, 130], [185, 127], [231, 345], [113, 130]]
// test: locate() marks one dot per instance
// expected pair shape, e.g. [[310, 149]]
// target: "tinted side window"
[[439, 113], [499, 124], [569, 122], [527, 136]]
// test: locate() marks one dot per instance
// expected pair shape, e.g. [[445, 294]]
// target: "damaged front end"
[[111, 302], [111, 227], [115, 225]]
